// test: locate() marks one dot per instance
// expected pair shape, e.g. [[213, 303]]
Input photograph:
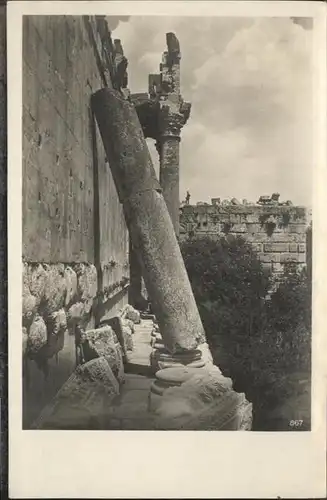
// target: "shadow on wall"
[[40, 384]]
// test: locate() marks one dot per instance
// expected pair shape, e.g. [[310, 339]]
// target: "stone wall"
[[75, 241], [276, 232]]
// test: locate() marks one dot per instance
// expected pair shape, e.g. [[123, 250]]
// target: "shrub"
[[257, 343], [229, 285]]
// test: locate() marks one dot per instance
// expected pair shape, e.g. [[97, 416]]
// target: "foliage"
[[257, 342]]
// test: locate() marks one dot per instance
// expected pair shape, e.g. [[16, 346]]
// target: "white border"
[[115, 464]]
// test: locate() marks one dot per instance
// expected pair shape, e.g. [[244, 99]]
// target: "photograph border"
[[88, 464]]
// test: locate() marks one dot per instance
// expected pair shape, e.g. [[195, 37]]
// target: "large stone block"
[[55, 288], [56, 322], [102, 342], [37, 336], [83, 400], [37, 281], [127, 338], [293, 247], [234, 219], [302, 247], [238, 228], [265, 257], [71, 285], [275, 247], [253, 228], [297, 228], [257, 247], [132, 314], [123, 332], [288, 257], [29, 306], [205, 401], [277, 267], [86, 281], [129, 324]]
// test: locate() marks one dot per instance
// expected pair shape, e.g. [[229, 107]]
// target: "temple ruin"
[[96, 221], [277, 231]]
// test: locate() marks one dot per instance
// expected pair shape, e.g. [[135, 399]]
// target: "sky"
[[250, 84]]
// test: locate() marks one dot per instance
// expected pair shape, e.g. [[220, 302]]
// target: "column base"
[[167, 378], [185, 398], [161, 358]]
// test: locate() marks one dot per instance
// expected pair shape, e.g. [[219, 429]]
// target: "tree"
[[260, 344]]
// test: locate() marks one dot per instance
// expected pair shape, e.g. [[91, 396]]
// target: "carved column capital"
[[171, 121]]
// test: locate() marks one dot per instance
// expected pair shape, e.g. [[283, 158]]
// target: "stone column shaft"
[[150, 226], [169, 176]]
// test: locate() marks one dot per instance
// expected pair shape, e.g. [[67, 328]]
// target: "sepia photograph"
[[167, 222], [166, 189]]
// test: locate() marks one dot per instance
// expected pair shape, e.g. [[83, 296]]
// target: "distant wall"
[[276, 232], [75, 240]]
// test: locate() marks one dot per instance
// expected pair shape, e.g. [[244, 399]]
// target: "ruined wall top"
[[263, 207], [111, 59], [162, 111]]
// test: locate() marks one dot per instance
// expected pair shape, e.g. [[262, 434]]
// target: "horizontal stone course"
[[284, 240], [276, 247]]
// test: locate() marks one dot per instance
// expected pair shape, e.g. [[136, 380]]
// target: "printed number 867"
[[296, 423]]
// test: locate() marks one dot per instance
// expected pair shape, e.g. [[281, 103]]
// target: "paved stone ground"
[[129, 409]]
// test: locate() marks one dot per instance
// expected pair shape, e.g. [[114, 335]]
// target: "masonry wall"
[[277, 233], [75, 241]]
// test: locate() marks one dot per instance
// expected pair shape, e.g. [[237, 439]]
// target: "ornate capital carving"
[[162, 111], [171, 122]]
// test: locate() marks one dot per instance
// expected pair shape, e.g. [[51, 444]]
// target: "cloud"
[[114, 21], [250, 84]]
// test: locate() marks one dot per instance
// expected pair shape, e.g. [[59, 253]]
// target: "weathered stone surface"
[[161, 358], [29, 306], [81, 402], [71, 285], [79, 313], [293, 247], [37, 281], [151, 229], [101, 342], [270, 242], [55, 288], [128, 338], [74, 313], [116, 323], [129, 324], [99, 371], [246, 418], [169, 176], [276, 247], [132, 314], [56, 322], [37, 336], [205, 353], [204, 401], [86, 281]]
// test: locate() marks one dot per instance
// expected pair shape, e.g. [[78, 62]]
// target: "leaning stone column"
[[150, 226]]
